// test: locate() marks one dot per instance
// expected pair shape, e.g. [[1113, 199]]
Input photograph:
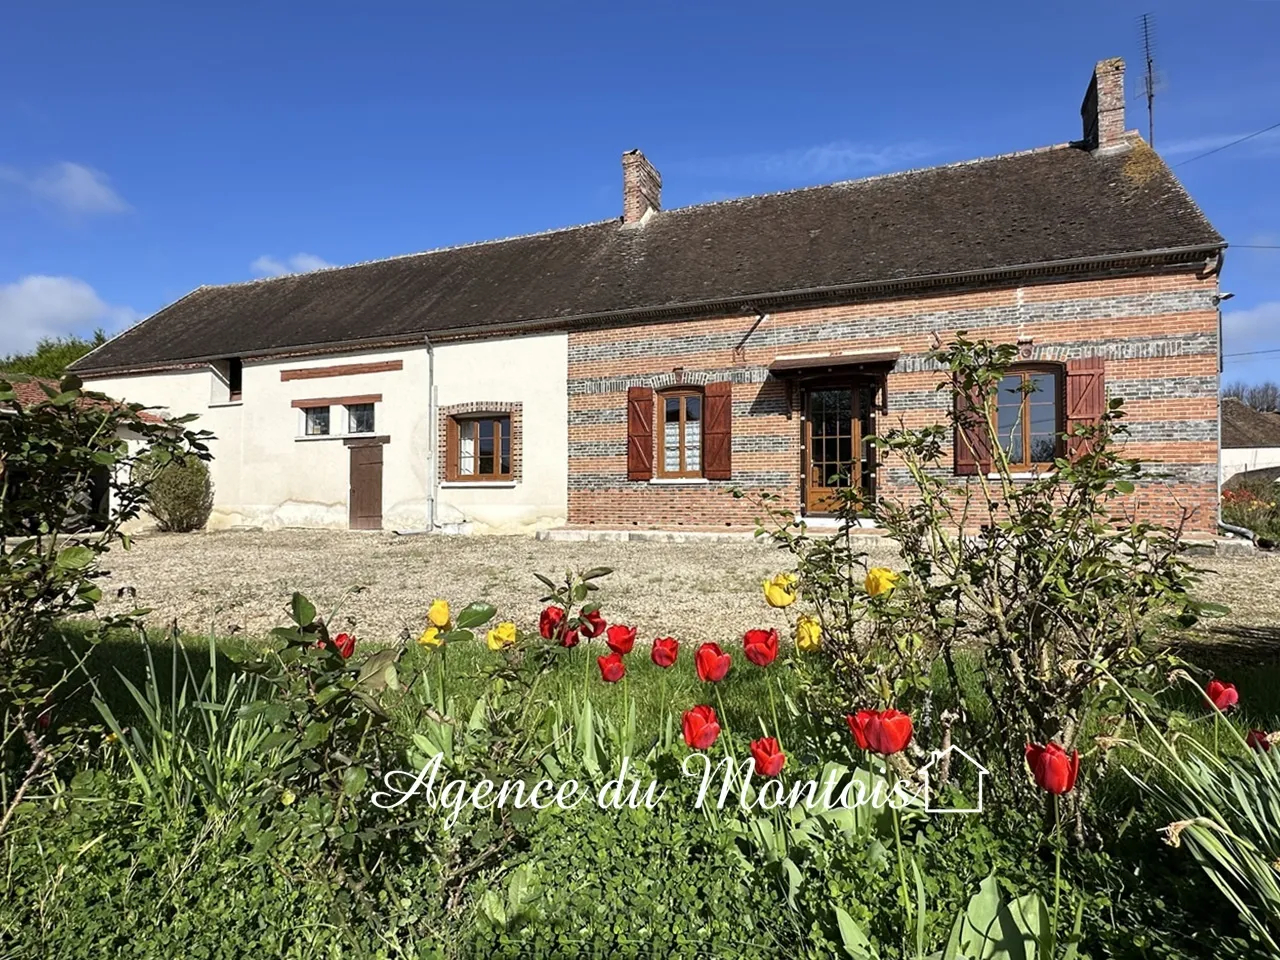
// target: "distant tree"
[[52, 355], [1261, 396]]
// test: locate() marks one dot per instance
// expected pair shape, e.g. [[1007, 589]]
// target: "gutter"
[[728, 304], [433, 468]]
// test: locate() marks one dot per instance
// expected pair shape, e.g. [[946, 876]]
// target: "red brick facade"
[[1157, 335]]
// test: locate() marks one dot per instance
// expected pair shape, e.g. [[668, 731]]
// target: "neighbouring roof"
[[1262, 475], [1034, 208], [1243, 426], [32, 390]]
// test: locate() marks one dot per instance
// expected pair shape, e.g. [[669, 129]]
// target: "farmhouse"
[[630, 372], [1250, 439]]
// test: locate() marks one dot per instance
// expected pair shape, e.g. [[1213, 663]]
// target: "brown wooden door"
[[832, 434], [365, 495]]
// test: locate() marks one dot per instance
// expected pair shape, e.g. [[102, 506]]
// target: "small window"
[[235, 379], [360, 418], [1029, 416], [317, 421], [680, 437], [481, 448]]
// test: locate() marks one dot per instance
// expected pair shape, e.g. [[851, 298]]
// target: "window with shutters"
[[1029, 415], [479, 448], [680, 434]]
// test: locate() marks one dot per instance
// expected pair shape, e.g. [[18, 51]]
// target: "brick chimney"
[[1103, 107], [641, 187]]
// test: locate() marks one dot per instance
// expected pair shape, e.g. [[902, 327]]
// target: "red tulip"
[[761, 646], [621, 639], [45, 716], [1259, 740], [1052, 768], [886, 732], [592, 624], [570, 638], [345, 644], [664, 651], [768, 756], [549, 622], [700, 727], [711, 662], [612, 669], [1222, 695]]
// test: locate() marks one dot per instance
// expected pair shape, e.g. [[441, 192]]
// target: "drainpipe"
[[432, 444], [1222, 524]]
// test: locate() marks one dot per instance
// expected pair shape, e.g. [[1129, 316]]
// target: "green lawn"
[[743, 698]]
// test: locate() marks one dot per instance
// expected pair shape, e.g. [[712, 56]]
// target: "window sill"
[[225, 403], [478, 484], [1023, 475], [320, 436], [679, 481]]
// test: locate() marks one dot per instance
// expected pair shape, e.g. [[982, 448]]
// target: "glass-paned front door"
[[838, 453]]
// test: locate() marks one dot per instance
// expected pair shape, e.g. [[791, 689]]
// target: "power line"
[[1201, 156], [1255, 246], [1250, 353]]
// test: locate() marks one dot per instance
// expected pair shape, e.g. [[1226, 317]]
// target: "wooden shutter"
[[973, 451], [639, 433], [717, 431], [1086, 399], [450, 449]]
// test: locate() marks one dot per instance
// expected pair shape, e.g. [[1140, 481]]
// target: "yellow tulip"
[[503, 635], [438, 615], [430, 637], [781, 590], [808, 633], [881, 580]]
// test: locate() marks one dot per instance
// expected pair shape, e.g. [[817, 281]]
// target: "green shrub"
[[180, 495], [1255, 505]]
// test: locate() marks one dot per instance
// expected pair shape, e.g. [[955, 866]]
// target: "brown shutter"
[[1086, 399], [717, 431], [973, 451], [450, 449], [639, 433]]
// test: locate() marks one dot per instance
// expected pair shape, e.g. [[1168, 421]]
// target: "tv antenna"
[[1148, 25]]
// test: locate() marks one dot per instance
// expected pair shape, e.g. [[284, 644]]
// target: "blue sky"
[[148, 148]]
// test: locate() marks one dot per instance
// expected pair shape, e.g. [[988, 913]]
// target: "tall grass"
[[192, 741]]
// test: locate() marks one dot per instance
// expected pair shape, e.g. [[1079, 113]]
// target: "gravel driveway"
[[241, 580]]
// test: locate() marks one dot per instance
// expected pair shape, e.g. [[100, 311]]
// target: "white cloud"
[[838, 160], [70, 187], [39, 306], [269, 266]]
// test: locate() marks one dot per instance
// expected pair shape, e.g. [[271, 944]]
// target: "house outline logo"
[[925, 771]]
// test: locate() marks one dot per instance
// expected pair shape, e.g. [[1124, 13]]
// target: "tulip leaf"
[[856, 944], [794, 878], [597, 572]]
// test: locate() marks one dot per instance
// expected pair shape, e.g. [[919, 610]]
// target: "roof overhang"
[[1169, 257], [845, 361]]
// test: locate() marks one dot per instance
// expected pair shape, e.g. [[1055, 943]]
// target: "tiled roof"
[[1243, 426], [1061, 204], [31, 390]]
